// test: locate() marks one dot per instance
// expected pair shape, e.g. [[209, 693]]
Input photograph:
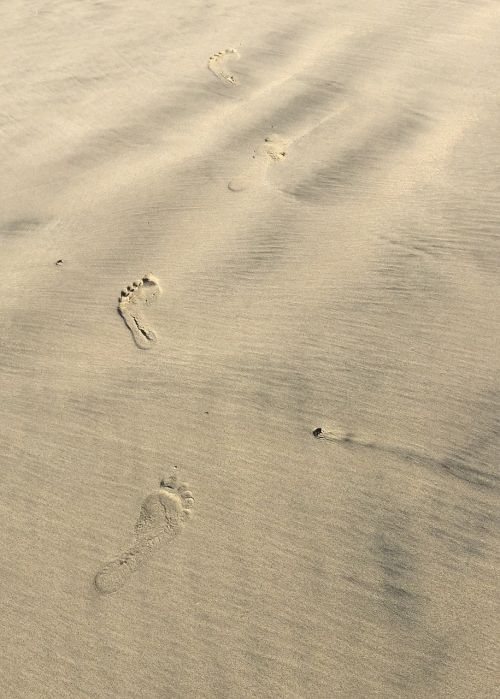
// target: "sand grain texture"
[[351, 282]]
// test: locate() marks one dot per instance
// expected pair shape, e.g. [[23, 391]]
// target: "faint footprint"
[[216, 64], [161, 518], [272, 150], [131, 303]]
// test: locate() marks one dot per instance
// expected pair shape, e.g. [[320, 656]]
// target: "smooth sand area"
[[223, 225]]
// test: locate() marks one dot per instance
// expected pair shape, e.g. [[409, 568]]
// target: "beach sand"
[[307, 199]]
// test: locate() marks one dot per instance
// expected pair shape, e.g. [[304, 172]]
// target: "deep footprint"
[[131, 304], [216, 64], [161, 518], [272, 150]]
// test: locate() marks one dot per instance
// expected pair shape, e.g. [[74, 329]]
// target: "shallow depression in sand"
[[217, 64], [272, 150], [131, 305], [162, 515]]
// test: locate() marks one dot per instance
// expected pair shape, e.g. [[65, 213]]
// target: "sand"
[[307, 199]]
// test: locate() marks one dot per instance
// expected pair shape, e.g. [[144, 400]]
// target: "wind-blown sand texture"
[[352, 283]]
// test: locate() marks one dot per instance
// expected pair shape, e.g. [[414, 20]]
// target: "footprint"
[[161, 518], [216, 64], [272, 150], [131, 303]]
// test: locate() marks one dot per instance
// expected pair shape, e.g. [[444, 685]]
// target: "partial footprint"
[[272, 150], [217, 63], [161, 518], [131, 304]]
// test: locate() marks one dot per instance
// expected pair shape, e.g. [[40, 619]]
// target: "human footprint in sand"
[[217, 65], [272, 150], [161, 519], [131, 304]]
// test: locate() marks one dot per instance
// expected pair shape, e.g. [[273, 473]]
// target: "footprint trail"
[[131, 304], [160, 520], [217, 65], [272, 150]]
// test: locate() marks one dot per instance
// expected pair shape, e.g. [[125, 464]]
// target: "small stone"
[[317, 432]]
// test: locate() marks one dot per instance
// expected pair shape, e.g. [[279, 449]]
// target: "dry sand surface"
[[301, 204]]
